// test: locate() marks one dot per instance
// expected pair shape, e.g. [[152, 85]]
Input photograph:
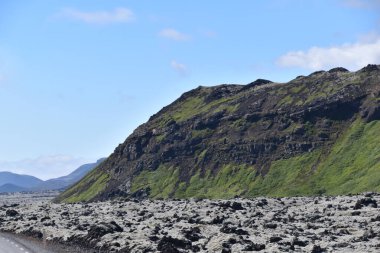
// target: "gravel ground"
[[27, 197], [299, 224]]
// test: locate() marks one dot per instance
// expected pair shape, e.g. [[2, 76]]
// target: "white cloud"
[[179, 67], [118, 15], [44, 167], [351, 55], [174, 35]]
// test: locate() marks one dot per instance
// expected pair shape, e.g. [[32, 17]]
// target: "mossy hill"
[[317, 134]]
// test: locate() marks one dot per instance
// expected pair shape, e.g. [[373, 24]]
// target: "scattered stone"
[[254, 247], [33, 233], [270, 225], [317, 249], [45, 218], [237, 206], [170, 244], [11, 213], [193, 234], [299, 242], [299, 224], [226, 250], [365, 202], [97, 231], [275, 239], [233, 230]]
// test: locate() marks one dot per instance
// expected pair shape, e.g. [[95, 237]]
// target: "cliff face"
[[317, 134]]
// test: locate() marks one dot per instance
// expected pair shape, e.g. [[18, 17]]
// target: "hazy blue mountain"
[[24, 181], [65, 181], [11, 182], [12, 188]]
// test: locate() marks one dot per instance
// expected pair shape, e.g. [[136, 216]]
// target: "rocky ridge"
[[316, 134]]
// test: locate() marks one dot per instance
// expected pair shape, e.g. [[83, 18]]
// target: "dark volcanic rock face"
[[283, 138], [297, 224]]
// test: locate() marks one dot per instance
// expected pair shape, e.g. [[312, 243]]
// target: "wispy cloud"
[[118, 15], [179, 67], [351, 55], [44, 167], [173, 34]]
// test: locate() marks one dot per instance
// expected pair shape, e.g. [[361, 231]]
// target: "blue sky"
[[76, 77]]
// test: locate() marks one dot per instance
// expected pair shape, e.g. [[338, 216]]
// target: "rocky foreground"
[[300, 224]]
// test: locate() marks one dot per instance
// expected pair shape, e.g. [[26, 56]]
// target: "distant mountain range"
[[12, 188], [24, 181], [12, 182]]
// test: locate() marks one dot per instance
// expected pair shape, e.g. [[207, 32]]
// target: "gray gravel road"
[[12, 244]]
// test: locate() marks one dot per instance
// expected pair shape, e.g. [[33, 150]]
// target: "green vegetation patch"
[[287, 177], [230, 181], [316, 95], [353, 164], [195, 105], [161, 182], [201, 133], [297, 89], [286, 100], [160, 137], [86, 189], [164, 182], [188, 108]]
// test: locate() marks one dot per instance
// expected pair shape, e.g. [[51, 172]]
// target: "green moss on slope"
[[161, 181], [353, 164], [230, 181], [288, 177], [187, 109], [195, 105], [86, 189]]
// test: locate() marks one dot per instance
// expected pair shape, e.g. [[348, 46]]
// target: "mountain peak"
[[338, 69], [256, 83], [370, 68]]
